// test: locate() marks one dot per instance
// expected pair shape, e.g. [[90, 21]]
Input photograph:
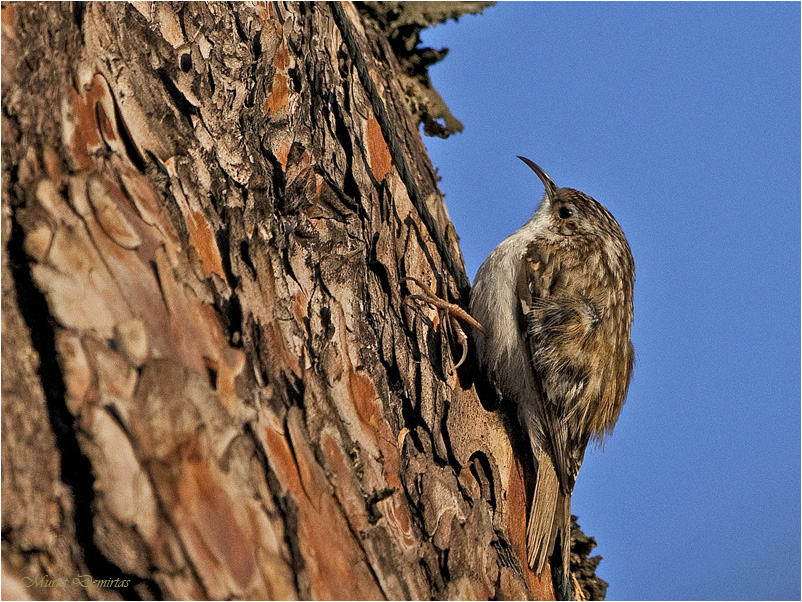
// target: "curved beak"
[[551, 187]]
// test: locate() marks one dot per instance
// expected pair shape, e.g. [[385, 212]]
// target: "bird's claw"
[[462, 340], [453, 311]]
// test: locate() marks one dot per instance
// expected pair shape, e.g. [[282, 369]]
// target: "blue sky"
[[684, 120]]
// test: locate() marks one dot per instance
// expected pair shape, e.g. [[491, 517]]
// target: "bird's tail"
[[550, 516]]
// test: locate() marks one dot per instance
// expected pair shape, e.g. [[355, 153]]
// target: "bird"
[[555, 305]]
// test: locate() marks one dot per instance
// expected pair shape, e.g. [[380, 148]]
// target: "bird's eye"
[[565, 212]]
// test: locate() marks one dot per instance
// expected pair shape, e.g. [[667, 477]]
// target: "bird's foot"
[[453, 311]]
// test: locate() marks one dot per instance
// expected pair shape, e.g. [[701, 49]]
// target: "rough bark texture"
[[212, 385]]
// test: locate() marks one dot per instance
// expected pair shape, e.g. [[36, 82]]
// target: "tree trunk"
[[213, 386]]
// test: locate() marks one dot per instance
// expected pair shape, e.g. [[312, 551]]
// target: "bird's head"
[[568, 212]]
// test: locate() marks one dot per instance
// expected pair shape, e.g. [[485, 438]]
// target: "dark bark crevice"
[[76, 467]]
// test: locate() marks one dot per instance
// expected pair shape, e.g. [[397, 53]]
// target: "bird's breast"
[[502, 351]]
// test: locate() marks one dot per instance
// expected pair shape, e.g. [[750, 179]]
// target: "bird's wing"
[[551, 320]]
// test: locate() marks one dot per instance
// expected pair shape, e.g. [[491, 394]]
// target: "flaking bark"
[[212, 385]]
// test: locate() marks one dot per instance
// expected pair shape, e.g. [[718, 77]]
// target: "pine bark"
[[213, 386]]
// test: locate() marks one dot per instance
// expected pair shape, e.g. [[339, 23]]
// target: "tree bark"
[[213, 386]]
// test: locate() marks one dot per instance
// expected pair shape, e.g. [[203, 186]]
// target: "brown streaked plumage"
[[556, 300]]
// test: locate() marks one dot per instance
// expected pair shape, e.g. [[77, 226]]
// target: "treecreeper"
[[555, 303]]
